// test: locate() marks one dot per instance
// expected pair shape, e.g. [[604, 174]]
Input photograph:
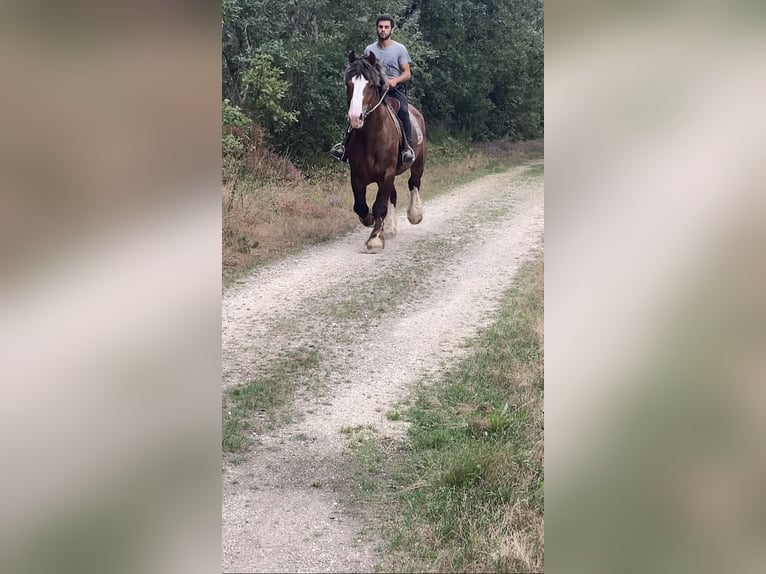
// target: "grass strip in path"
[[263, 395]]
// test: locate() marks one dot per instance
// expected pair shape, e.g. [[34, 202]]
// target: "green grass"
[[466, 492], [263, 396], [534, 171], [394, 415], [367, 456]]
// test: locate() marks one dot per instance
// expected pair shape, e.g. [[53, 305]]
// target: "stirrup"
[[338, 151], [408, 154]]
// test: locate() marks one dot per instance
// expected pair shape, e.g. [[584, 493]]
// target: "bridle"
[[367, 111], [380, 101]]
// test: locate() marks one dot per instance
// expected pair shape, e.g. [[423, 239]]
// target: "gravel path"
[[379, 323]]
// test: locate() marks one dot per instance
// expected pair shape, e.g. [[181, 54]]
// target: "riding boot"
[[408, 154]]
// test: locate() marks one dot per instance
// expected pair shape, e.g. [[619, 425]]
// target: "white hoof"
[[414, 217], [389, 223], [375, 243], [415, 210]]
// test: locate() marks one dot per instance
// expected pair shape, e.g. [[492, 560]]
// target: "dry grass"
[[271, 209], [263, 222], [518, 539]]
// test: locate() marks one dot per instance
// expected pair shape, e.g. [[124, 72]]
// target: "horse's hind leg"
[[415, 209]]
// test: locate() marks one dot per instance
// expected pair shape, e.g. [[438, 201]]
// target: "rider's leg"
[[404, 115]]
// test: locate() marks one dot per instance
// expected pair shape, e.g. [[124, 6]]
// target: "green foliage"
[[477, 66], [231, 146], [264, 91], [233, 117], [488, 71], [447, 147], [500, 419], [236, 125]]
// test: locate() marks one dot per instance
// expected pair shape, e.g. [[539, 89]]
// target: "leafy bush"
[[477, 67]]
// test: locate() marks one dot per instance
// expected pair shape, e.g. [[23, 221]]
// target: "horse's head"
[[365, 85]]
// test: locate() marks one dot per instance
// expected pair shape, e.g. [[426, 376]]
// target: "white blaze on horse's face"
[[356, 107]]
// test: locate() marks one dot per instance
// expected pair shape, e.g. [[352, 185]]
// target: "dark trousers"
[[404, 112]]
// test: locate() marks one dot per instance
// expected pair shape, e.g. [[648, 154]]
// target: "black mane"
[[372, 73]]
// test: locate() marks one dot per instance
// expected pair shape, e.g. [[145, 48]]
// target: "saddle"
[[393, 106], [394, 103]]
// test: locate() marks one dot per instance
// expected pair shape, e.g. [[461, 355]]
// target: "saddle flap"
[[394, 103]]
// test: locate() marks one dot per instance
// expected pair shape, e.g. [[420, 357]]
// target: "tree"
[[477, 65]]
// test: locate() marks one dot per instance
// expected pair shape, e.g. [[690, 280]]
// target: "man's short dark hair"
[[383, 17]]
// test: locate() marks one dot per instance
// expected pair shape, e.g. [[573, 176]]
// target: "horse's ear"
[[351, 57], [371, 58]]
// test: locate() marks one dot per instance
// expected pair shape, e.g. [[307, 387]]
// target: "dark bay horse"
[[373, 150]]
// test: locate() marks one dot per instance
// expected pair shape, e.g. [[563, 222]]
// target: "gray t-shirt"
[[392, 57]]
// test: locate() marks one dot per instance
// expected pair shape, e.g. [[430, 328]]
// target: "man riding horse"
[[396, 64]]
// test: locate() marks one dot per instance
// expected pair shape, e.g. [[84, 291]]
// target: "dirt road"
[[377, 325]]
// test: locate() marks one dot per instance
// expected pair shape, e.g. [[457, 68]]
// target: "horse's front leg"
[[376, 242], [359, 187]]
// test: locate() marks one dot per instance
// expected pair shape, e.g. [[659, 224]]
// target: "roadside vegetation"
[[275, 210], [271, 209], [477, 68], [465, 491], [283, 107]]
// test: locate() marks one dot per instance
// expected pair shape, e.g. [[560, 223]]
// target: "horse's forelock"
[[362, 67]]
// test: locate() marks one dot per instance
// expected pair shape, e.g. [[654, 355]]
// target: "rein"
[[368, 112]]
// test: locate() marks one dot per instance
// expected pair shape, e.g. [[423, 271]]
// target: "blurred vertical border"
[[655, 291], [110, 287]]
